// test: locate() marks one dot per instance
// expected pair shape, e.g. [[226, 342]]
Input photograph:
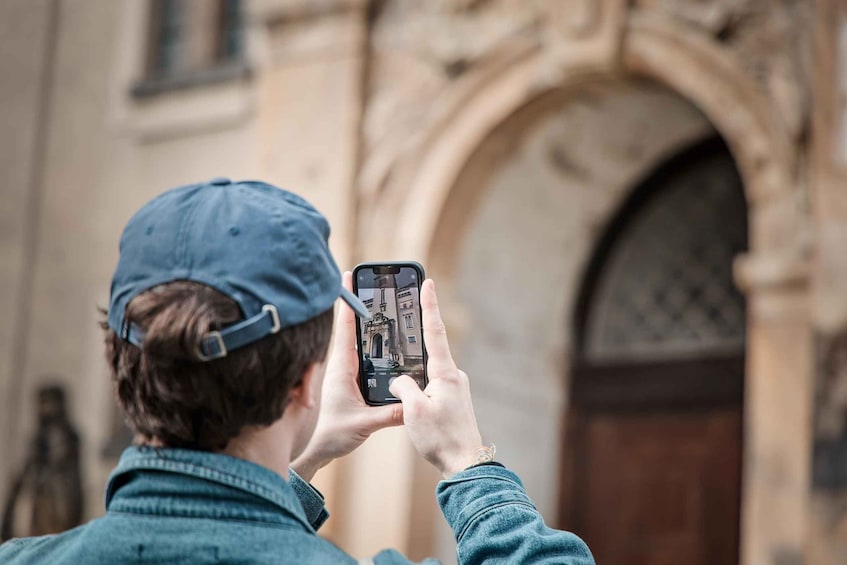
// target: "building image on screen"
[[391, 343]]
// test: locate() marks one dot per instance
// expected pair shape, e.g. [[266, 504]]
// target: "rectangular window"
[[169, 37], [193, 42], [412, 338], [410, 321], [230, 31]]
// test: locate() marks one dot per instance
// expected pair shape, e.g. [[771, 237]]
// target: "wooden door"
[[655, 462], [662, 488], [653, 445]]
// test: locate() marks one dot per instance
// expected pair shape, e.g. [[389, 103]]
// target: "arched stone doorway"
[[525, 248], [447, 184], [655, 416]]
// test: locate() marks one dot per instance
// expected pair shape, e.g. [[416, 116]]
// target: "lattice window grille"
[[667, 287]]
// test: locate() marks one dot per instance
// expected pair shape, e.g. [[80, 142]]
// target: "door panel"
[[661, 488]]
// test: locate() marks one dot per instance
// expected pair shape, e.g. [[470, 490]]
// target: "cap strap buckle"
[[274, 317], [218, 344], [214, 343]]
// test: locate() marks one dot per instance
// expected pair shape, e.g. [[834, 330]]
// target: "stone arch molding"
[[654, 46]]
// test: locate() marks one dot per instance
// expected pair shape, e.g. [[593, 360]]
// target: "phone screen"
[[391, 342]]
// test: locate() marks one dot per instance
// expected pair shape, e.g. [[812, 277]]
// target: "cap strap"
[[218, 344]]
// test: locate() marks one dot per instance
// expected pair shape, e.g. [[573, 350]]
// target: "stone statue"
[[46, 497]]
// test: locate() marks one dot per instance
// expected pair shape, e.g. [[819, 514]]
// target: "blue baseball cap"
[[262, 246]]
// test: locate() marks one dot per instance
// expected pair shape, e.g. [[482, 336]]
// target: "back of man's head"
[[221, 301], [170, 396]]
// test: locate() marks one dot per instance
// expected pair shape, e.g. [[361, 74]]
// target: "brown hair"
[[169, 395]]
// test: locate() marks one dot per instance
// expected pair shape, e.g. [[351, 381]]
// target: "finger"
[[384, 416], [435, 334], [345, 321], [408, 391]]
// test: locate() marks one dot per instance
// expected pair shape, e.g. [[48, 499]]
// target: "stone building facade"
[[533, 155], [392, 333]]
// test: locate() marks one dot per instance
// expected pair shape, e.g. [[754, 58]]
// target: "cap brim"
[[357, 305]]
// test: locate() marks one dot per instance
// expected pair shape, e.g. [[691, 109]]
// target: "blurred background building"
[[635, 211]]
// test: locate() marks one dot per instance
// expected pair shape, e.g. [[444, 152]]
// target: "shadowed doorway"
[[652, 463], [376, 346]]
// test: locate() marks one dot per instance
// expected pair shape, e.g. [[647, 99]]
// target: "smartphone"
[[391, 343]]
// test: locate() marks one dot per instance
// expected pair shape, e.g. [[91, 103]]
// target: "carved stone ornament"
[[575, 18], [771, 40]]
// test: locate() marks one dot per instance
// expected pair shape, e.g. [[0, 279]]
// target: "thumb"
[[407, 390]]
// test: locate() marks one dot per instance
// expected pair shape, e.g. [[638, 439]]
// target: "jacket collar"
[[167, 473]]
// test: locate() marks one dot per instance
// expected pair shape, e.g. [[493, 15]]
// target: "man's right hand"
[[440, 419], [345, 421]]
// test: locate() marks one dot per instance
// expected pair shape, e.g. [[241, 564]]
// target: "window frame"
[[217, 69]]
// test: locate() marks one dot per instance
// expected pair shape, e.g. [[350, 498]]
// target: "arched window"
[[659, 291], [665, 287]]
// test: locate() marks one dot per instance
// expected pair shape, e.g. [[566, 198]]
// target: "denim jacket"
[[169, 506]]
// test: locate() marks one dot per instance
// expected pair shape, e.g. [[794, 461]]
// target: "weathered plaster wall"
[[24, 48]]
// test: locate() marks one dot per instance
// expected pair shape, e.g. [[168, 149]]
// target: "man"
[[369, 366], [218, 328]]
